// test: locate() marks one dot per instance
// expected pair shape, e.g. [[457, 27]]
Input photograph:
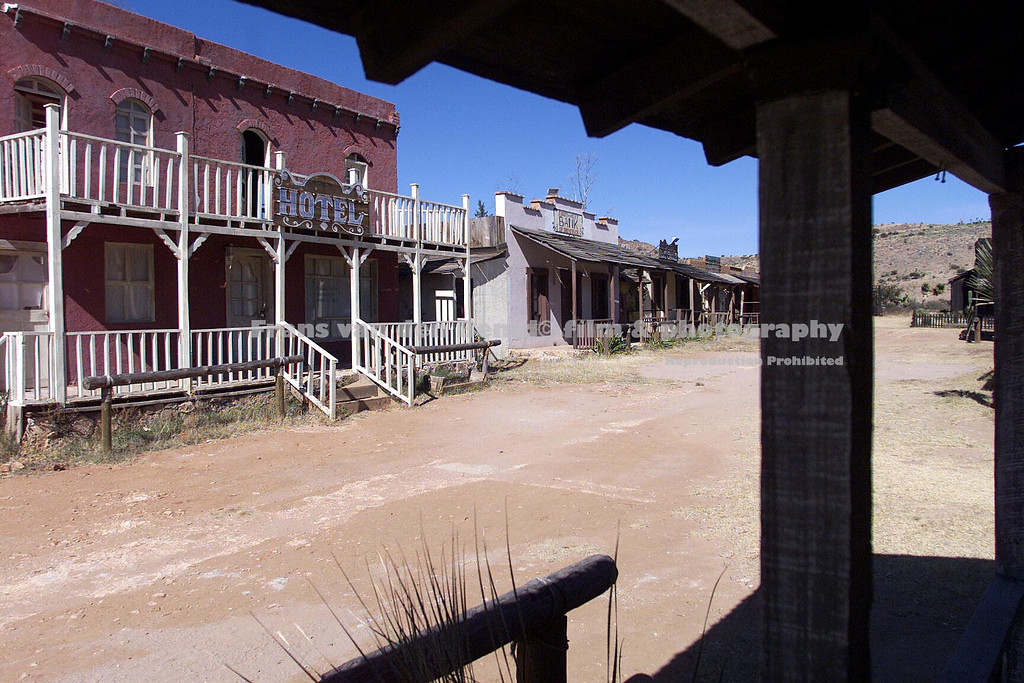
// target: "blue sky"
[[463, 134]]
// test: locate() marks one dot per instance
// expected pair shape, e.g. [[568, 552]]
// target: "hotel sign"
[[568, 223], [320, 203]]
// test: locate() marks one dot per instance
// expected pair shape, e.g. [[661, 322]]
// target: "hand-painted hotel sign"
[[320, 203], [568, 223]]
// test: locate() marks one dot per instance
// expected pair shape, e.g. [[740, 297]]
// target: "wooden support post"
[[279, 393], [106, 438], [815, 218], [613, 295], [575, 313], [184, 242], [280, 260], [1008, 254], [743, 295], [467, 282], [417, 285], [54, 262], [693, 305], [354, 303], [541, 656]]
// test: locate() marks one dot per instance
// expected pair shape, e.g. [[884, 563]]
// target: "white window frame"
[[136, 111], [357, 170], [27, 90], [42, 309], [132, 250]]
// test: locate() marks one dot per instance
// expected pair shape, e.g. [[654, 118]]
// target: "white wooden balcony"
[[119, 180]]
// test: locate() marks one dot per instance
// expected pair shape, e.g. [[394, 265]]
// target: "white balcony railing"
[[142, 177], [22, 166]]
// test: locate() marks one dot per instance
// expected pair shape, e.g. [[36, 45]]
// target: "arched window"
[[356, 170], [133, 124], [255, 152], [31, 94]]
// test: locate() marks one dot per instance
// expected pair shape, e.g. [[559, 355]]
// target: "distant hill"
[[908, 255]]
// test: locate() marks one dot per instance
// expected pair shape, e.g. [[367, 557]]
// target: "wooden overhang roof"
[[943, 78], [592, 251]]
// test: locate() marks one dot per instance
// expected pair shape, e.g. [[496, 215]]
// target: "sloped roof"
[[593, 251]]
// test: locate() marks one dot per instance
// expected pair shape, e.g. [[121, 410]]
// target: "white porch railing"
[[434, 333], [92, 354], [388, 363], [132, 176], [28, 366], [28, 361], [225, 189], [392, 215], [223, 345], [22, 166]]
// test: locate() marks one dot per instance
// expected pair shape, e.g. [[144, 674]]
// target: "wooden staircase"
[[361, 394]]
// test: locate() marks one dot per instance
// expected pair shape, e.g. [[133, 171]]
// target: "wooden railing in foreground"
[[532, 616], [389, 364], [979, 654], [587, 332], [105, 383]]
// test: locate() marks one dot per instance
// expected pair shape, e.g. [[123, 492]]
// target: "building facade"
[[140, 172]]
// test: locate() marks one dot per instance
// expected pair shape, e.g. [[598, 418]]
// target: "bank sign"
[[568, 223], [320, 203]]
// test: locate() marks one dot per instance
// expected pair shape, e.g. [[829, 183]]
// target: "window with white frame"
[[129, 288], [31, 95], [22, 281], [356, 170], [133, 124]]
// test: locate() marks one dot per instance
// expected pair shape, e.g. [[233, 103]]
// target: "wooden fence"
[[940, 319]]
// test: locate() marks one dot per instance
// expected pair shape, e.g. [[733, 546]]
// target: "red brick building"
[[136, 224]]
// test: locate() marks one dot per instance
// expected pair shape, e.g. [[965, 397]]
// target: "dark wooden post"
[[541, 657], [1008, 254], [575, 313], [815, 216], [279, 393], [106, 439]]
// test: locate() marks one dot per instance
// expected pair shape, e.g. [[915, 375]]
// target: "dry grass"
[[61, 440]]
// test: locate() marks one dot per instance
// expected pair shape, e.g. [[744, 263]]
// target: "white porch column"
[[467, 284], [354, 302], [417, 288], [184, 240], [54, 245], [281, 259], [613, 295]]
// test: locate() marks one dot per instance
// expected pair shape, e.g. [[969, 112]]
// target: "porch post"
[[54, 263], [613, 295], [1008, 254], [815, 216], [354, 304], [417, 290], [184, 241], [467, 284], [279, 280], [693, 305], [575, 312]]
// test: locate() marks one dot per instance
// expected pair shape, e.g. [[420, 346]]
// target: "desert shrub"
[[888, 297]]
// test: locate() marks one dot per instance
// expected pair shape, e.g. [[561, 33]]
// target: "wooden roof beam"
[[418, 33], [920, 114], [727, 20], [686, 67]]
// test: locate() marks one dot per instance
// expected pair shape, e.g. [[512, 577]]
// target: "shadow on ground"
[[921, 606]]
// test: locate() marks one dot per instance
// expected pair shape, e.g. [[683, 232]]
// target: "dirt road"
[[152, 568]]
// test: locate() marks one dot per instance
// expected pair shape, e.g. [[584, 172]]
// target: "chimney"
[[552, 193]]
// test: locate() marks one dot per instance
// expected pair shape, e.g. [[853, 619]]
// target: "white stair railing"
[[386, 362], [317, 378]]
